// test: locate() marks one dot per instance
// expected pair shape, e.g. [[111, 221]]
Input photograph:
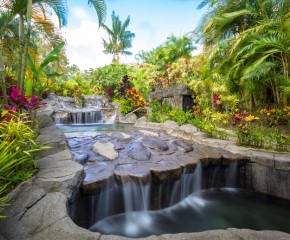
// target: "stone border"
[[38, 209]]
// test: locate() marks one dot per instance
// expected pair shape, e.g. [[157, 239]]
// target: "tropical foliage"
[[250, 44]]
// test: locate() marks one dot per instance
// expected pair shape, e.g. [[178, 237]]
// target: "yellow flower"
[[251, 118]]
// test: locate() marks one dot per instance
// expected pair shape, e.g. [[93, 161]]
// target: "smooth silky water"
[[96, 127], [200, 211], [134, 209]]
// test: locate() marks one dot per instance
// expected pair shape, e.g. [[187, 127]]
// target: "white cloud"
[[80, 14], [84, 45]]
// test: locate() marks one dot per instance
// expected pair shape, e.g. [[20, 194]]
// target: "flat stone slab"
[[97, 176], [149, 133], [106, 149], [123, 137], [135, 172]]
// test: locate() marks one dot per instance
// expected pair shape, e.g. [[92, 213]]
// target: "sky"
[[152, 21]]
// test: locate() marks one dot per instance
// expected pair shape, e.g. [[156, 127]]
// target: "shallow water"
[[100, 127], [204, 210]]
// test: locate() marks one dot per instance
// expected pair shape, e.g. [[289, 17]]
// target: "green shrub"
[[163, 112], [179, 116], [125, 106], [209, 128], [159, 112], [17, 146], [3, 201]]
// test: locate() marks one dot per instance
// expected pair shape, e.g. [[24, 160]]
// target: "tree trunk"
[[27, 39], [2, 75], [21, 33]]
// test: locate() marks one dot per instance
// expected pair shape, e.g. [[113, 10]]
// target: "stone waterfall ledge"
[[38, 209], [266, 169], [277, 160]]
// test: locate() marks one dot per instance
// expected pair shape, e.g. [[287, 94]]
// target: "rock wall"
[[174, 96]]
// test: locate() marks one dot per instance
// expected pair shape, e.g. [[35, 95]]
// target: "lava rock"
[[138, 151], [187, 147], [154, 143]]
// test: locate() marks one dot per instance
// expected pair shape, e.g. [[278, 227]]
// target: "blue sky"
[[152, 21]]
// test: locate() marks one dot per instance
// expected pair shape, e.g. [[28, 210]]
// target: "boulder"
[[131, 118], [186, 146], [169, 125], [154, 143], [138, 151], [141, 119], [188, 128], [45, 121], [106, 149]]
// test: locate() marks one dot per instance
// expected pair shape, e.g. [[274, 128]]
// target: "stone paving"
[[38, 209]]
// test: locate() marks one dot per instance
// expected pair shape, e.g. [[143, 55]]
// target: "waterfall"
[[127, 197], [113, 118], [232, 174], [136, 196], [86, 117], [188, 184]]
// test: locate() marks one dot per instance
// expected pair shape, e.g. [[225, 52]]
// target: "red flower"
[[284, 137], [238, 117], [245, 112]]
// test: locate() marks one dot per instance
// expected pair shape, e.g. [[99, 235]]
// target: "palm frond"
[[101, 9]]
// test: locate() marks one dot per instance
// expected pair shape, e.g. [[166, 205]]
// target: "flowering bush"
[[274, 116], [17, 101], [132, 101], [247, 134], [135, 98], [216, 101], [110, 93]]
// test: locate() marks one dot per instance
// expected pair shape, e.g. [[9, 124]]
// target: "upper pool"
[[107, 127]]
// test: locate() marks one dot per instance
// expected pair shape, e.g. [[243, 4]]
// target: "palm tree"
[[120, 39], [251, 45], [177, 47], [37, 9]]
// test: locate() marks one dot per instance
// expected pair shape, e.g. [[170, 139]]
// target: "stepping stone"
[[106, 149]]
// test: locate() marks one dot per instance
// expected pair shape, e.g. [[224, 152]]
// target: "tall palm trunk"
[[21, 33], [27, 39], [2, 76]]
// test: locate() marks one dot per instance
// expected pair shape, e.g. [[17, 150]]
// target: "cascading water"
[[231, 174], [86, 117], [90, 113], [132, 208]]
